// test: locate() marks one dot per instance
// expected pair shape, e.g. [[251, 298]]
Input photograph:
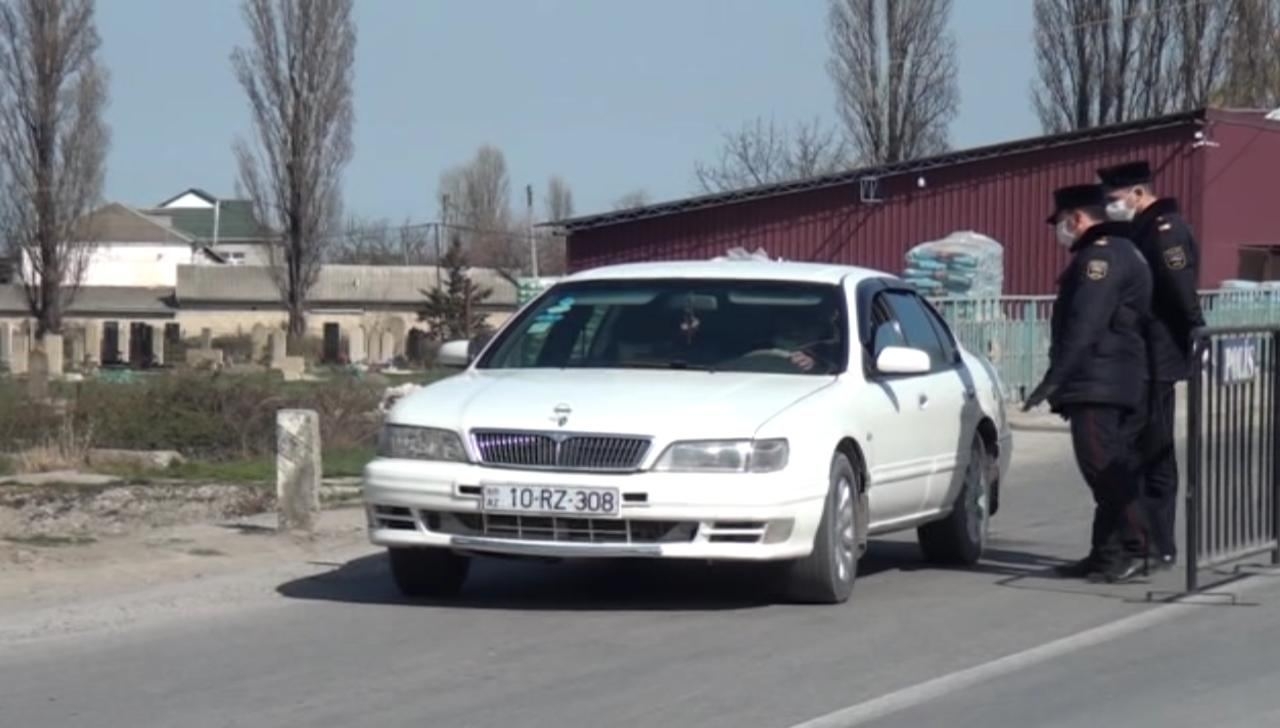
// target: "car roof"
[[730, 269]]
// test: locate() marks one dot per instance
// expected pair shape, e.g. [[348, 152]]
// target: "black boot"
[[1123, 569], [1079, 569]]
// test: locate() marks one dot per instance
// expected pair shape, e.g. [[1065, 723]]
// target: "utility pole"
[[533, 241], [444, 222]]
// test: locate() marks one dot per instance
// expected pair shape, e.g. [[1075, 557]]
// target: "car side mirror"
[[455, 354], [903, 360]]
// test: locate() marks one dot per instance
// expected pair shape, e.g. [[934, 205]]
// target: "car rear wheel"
[[428, 572], [959, 539], [827, 574]]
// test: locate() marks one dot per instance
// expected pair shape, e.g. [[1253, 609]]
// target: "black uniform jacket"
[[1098, 350], [1167, 243]]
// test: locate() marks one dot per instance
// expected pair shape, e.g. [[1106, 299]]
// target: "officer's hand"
[[1037, 397]]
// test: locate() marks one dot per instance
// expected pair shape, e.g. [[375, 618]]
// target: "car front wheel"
[[428, 572], [959, 539], [827, 574]]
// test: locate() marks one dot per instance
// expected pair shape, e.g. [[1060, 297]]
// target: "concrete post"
[[298, 469], [260, 338], [206, 339], [6, 345]]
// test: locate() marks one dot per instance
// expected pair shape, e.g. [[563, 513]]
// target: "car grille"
[[570, 530], [561, 452]]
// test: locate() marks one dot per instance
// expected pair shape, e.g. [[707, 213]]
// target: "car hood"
[[661, 403]]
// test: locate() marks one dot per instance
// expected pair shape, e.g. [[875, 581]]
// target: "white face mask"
[[1119, 211], [1066, 238]]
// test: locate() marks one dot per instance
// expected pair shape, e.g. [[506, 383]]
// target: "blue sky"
[[613, 96]]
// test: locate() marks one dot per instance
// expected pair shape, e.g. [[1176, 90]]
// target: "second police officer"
[[1097, 377], [1170, 249]]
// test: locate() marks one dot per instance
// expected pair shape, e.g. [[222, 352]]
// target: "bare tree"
[[1110, 61], [634, 198], [761, 152], [479, 194], [298, 75], [1253, 68], [53, 144], [559, 200], [378, 242], [893, 63]]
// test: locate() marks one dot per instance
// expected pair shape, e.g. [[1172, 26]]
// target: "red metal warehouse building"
[[1220, 164]]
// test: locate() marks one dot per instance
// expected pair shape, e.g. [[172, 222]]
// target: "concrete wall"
[[142, 265]]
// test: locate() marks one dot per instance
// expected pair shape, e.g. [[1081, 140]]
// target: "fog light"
[[779, 530]]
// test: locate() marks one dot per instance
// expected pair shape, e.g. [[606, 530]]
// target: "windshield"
[[717, 325]]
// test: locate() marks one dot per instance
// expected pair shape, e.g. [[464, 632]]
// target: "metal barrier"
[[1233, 430], [1013, 331]]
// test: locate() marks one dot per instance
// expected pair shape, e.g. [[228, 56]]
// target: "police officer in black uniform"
[[1097, 374], [1167, 243]]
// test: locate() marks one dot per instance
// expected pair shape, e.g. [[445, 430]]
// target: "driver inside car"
[[808, 340]]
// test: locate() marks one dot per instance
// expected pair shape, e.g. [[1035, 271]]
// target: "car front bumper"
[[663, 515]]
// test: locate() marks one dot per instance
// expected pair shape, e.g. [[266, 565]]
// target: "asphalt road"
[[615, 644]]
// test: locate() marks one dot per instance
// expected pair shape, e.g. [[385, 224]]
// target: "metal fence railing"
[[1233, 474], [1013, 331]]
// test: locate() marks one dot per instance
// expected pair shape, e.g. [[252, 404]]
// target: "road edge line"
[[943, 685]]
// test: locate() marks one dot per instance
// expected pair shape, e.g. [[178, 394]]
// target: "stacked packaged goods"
[[963, 264]]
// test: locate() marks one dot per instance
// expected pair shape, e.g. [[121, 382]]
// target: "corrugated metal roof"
[[1020, 146], [1005, 198], [117, 223], [236, 221], [99, 301], [337, 284]]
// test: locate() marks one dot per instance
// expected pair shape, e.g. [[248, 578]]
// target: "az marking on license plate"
[[552, 500]]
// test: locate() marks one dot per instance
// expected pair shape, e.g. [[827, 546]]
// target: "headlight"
[[724, 456], [420, 443]]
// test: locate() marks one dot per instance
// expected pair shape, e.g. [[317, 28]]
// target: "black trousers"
[[1159, 494], [1105, 441]]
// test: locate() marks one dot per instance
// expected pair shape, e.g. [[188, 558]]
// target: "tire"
[[428, 572], [827, 574], [960, 538]]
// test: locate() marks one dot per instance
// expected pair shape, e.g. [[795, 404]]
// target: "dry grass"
[[67, 448]]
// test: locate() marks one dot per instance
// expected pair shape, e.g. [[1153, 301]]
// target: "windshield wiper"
[[673, 364]]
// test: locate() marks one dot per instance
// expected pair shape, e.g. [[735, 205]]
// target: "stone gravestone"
[[54, 354], [279, 347], [375, 346], [19, 351], [260, 338], [6, 345], [93, 342], [157, 346], [355, 345], [76, 345], [292, 367], [298, 469], [399, 330], [388, 346], [125, 345], [206, 339], [38, 375]]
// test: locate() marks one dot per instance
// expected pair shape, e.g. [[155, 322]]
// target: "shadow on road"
[[621, 585]]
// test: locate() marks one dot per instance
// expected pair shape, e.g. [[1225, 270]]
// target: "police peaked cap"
[[1074, 198], [1129, 174]]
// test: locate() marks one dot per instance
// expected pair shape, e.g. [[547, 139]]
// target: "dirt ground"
[[59, 543]]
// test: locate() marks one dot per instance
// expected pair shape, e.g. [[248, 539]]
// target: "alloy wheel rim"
[[846, 530]]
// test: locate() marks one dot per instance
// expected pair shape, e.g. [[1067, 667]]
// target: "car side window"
[[945, 336], [917, 327]]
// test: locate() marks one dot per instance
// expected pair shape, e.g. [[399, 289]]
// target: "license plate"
[[553, 500]]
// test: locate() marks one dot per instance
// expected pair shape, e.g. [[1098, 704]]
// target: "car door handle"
[[923, 399]]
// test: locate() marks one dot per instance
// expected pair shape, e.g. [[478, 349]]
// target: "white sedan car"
[[757, 411]]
